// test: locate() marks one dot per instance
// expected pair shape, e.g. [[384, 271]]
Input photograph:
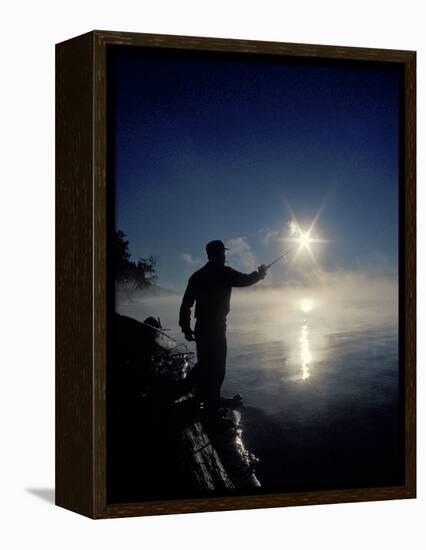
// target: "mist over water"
[[317, 367]]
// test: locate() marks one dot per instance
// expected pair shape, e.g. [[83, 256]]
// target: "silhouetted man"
[[210, 288]]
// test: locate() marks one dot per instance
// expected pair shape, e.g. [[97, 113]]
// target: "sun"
[[305, 240], [302, 239]]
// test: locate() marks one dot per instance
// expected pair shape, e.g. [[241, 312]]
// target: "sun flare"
[[304, 240]]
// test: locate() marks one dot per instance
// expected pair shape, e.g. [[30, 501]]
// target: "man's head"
[[216, 252]]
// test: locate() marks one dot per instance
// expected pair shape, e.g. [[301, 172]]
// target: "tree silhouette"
[[132, 276]]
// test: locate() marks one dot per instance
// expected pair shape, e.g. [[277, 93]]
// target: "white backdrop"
[[29, 30]]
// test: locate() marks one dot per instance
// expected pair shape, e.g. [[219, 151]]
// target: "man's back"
[[210, 288]]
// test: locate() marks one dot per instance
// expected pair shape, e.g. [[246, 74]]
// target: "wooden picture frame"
[[82, 272]]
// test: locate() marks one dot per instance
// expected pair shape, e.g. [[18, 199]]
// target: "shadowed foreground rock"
[[159, 444]]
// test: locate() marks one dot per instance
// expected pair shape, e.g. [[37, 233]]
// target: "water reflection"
[[305, 351], [306, 305], [239, 462]]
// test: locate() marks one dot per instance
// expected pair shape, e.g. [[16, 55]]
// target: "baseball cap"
[[215, 246]]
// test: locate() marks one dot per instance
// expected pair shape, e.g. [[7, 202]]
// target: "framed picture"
[[192, 169]]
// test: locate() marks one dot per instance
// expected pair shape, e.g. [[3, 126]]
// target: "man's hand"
[[189, 335], [263, 270]]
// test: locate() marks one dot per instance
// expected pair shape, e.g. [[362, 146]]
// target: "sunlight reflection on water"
[[305, 352]]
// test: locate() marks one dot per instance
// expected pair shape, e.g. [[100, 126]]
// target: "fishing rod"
[[280, 257]]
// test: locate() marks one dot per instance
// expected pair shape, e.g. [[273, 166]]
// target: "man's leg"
[[219, 366], [211, 354]]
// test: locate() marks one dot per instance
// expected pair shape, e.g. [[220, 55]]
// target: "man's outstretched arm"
[[247, 279], [185, 311]]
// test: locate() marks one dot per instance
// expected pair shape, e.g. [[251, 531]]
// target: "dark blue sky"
[[219, 147]]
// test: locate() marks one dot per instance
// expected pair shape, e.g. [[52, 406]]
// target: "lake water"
[[318, 372]]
